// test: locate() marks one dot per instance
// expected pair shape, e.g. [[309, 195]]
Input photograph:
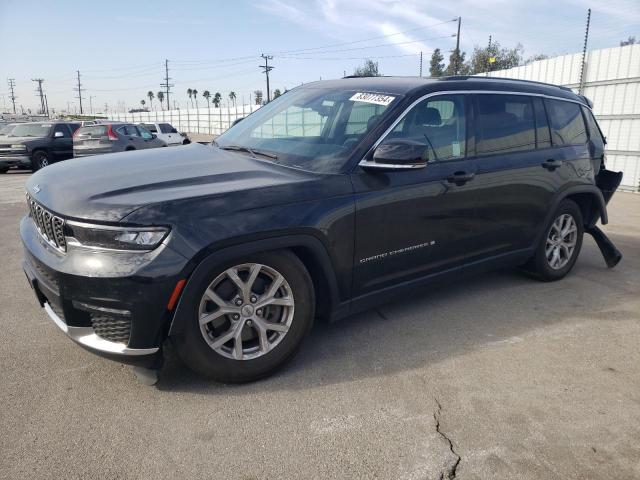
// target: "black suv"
[[332, 198], [36, 145]]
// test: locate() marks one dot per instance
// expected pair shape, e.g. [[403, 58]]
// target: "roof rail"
[[503, 79]]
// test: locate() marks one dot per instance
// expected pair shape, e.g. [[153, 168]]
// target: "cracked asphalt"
[[498, 376]]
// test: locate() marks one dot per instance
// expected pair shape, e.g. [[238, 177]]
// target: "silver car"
[[113, 137]]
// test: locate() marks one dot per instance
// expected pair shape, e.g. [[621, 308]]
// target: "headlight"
[[21, 148], [114, 238]]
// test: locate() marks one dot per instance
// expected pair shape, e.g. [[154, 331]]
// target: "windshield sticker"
[[374, 98]]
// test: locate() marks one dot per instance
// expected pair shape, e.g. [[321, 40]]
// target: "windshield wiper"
[[253, 152]]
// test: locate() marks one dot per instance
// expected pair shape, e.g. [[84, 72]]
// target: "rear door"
[[515, 182]]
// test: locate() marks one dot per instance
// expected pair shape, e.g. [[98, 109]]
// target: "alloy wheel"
[[561, 241], [246, 311]]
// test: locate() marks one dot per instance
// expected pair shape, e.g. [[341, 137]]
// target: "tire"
[[39, 160], [3, 170], [545, 265], [255, 356]]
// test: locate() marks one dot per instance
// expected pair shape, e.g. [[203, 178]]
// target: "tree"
[[369, 69], [217, 98], [457, 66], [151, 96], [142, 102], [232, 97], [160, 96], [492, 57], [436, 68], [628, 41], [190, 92], [258, 96], [195, 96], [277, 93]]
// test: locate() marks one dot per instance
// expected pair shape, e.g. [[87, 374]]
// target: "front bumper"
[[15, 161], [113, 304]]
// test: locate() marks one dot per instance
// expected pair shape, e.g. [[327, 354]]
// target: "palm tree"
[[151, 97], [217, 98], [190, 92], [161, 98], [232, 97], [207, 95], [142, 102], [195, 95]]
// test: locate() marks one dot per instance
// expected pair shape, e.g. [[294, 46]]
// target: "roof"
[[422, 85]]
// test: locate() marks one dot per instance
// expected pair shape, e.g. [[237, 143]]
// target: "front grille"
[[111, 327], [49, 226]]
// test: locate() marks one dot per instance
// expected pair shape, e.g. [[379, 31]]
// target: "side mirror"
[[153, 135], [398, 155], [58, 135]]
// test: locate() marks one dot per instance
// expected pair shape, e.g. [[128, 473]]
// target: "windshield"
[[6, 129], [31, 130], [315, 129]]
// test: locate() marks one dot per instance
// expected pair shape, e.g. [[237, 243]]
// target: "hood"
[[109, 187]]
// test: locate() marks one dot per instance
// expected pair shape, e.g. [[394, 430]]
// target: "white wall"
[[193, 120], [612, 82]]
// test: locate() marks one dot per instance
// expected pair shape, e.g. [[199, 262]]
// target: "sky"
[[120, 47]]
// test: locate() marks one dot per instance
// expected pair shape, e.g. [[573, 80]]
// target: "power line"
[[12, 84], [267, 68]]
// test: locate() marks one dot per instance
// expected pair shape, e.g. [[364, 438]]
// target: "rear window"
[[506, 124], [566, 122], [93, 131], [150, 126]]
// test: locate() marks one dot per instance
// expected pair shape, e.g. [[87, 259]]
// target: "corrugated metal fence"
[[612, 82], [209, 120]]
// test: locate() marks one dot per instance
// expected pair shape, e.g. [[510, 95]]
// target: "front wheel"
[[247, 317], [559, 248], [39, 160]]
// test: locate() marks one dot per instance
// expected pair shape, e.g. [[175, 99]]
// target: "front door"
[[414, 223]]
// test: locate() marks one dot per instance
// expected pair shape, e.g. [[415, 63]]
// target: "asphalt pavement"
[[495, 377]]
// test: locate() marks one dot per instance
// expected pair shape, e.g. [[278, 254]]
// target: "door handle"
[[460, 178], [552, 164]]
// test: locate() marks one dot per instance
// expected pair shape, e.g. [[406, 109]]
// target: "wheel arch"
[[311, 252]]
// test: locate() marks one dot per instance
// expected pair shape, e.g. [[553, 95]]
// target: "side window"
[[543, 136], [567, 124], [61, 127], [166, 128], [363, 117], [594, 130], [439, 123], [122, 130], [144, 133], [505, 124], [150, 126], [131, 130]]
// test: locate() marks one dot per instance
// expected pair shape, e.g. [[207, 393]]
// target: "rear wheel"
[[247, 317], [39, 160], [558, 251], [3, 170]]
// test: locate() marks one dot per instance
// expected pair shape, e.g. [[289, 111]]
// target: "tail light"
[[110, 133]]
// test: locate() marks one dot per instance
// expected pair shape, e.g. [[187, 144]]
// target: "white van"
[[166, 132]]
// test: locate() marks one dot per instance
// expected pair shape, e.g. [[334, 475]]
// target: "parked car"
[[113, 137], [165, 132], [35, 145], [231, 250]]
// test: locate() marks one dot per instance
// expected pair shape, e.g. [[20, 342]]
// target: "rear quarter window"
[[566, 122]]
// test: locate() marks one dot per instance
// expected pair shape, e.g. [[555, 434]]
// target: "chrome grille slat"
[[48, 225]]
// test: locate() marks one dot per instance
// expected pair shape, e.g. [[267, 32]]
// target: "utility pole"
[[12, 83], [584, 54], [166, 85], [79, 91], [457, 65], [40, 94], [421, 63], [266, 71], [46, 104], [91, 104]]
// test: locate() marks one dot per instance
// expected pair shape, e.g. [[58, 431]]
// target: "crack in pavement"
[[451, 471]]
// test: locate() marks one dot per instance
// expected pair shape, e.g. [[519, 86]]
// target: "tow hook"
[[611, 254]]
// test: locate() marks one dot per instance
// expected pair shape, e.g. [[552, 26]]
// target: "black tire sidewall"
[[541, 265], [200, 357], [37, 159]]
